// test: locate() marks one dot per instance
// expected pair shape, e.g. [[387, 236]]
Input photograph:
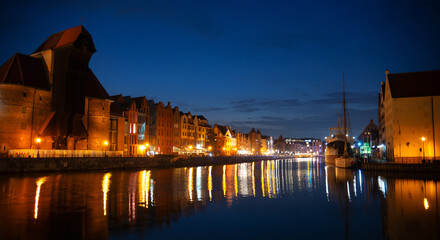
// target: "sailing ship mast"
[[345, 117]]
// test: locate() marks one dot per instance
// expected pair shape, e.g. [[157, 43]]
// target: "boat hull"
[[345, 162]]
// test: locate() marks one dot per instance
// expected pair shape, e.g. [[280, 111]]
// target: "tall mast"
[[345, 116]]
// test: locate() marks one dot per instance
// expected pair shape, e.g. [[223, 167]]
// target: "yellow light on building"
[[423, 139], [38, 140], [105, 143], [224, 149], [190, 147], [147, 145], [209, 148], [142, 147]]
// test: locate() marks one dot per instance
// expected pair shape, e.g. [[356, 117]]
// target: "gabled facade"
[[161, 127], [225, 141]]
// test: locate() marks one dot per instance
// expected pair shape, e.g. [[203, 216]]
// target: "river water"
[[273, 199]]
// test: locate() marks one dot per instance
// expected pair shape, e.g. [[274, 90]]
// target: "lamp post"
[[38, 140], [105, 148], [423, 140]]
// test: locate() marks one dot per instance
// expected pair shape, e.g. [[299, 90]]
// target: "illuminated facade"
[[176, 129], [130, 112], [224, 141], [50, 95], [161, 127], [411, 106]]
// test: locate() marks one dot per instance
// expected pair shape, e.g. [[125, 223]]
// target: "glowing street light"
[[38, 140], [105, 148], [209, 148], [423, 140]]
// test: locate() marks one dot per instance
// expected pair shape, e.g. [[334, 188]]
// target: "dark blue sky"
[[272, 65]]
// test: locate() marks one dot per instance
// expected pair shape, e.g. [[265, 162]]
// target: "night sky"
[[272, 65]]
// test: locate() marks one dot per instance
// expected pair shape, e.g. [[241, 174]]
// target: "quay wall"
[[24, 165], [401, 167]]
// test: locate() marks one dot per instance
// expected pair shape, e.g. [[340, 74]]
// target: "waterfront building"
[[188, 131], [381, 146], [255, 141], [202, 128], [243, 143], [267, 144], [303, 146], [129, 110], [118, 130], [280, 145], [176, 130], [411, 106], [225, 141], [143, 124], [52, 95], [161, 127]]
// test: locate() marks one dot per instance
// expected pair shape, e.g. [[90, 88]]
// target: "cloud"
[[209, 109], [361, 98], [253, 105]]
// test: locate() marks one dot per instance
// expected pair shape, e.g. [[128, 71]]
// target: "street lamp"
[[142, 148], [105, 148], [38, 140], [423, 140]]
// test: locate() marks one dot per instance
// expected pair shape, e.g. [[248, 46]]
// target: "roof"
[[414, 84], [201, 117], [124, 102], [24, 70], [77, 36], [115, 109], [93, 87], [223, 129], [139, 101]]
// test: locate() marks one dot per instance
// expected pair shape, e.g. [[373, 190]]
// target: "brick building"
[[52, 94]]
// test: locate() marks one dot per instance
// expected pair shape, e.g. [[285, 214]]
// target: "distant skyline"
[[275, 66]]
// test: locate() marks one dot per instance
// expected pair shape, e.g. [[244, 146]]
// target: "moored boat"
[[346, 160]]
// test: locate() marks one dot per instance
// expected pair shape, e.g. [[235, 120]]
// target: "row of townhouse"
[[52, 105], [299, 146]]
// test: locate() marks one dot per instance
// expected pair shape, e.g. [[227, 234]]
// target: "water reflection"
[[40, 182], [105, 189], [99, 205]]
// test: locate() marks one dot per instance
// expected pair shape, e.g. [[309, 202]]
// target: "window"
[[24, 94]]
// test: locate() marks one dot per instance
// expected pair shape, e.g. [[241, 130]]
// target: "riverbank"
[[401, 167], [29, 165]]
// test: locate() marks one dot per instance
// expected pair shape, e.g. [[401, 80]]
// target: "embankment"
[[24, 165]]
